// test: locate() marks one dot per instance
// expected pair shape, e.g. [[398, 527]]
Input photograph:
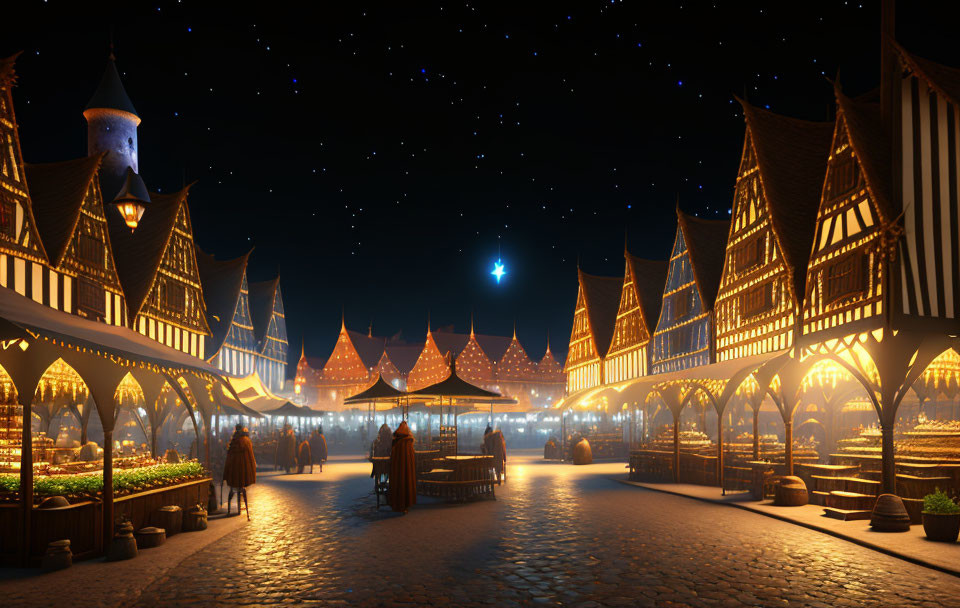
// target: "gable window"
[[90, 250], [174, 297], [91, 298], [845, 277], [680, 340], [844, 176], [681, 304], [749, 254], [756, 300], [8, 219]]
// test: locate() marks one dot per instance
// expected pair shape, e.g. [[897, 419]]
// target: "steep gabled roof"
[[944, 79], [792, 159], [369, 348], [110, 93], [262, 294], [138, 253], [871, 147], [649, 279], [57, 191], [602, 298], [706, 242], [221, 281]]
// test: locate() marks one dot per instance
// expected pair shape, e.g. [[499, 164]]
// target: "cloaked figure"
[[494, 443], [403, 472], [318, 447], [240, 467], [304, 459], [287, 449], [383, 444]]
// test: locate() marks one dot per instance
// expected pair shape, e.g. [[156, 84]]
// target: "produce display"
[[76, 488]]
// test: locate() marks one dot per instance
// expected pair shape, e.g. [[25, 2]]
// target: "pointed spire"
[[548, 342], [343, 318], [514, 329], [472, 335], [626, 249], [110, 94], [370, 329], [303, 347], [428, 324]]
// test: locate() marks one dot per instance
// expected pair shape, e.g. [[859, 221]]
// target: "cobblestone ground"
[[556, 534]]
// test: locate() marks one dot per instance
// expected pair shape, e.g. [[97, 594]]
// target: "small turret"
[[112, 128]]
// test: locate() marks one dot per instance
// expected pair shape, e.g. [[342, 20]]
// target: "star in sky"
[[498, 271]]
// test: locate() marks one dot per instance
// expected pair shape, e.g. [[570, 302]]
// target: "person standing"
[[287, 449], [318, 447], [495, 444], [303, 457], [240, 467], [402, 493]]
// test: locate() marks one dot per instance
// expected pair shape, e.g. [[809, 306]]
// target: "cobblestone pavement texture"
[[557, 534]]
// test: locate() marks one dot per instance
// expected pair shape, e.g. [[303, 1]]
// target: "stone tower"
[[112, 127]]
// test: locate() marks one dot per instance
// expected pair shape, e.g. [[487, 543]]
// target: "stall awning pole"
[[26, 476]]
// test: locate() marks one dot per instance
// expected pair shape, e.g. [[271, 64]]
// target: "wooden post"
[[107, 489], [207, 438], [720, 450], [26, 478], [756, 433], [888, 470], [676, 448], [788, 445]]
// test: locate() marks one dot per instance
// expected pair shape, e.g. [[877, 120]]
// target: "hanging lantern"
[[132, 199]]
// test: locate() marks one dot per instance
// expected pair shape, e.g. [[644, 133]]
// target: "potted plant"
[[941, 517]]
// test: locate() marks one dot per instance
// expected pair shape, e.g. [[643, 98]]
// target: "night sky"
[[383, 157]]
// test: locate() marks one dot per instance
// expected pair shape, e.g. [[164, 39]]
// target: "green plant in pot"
[[941, 517]]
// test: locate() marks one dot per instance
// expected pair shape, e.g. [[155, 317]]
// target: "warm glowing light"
[[132, 210], [498, 271]]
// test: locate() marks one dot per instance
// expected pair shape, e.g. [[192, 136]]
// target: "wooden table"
[[461, 477]]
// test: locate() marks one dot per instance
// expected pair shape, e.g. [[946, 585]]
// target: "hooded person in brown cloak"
[[382, 445], [240, 467], [494, 443], [403, 477], [303, 457], [318, 447], [287, 449]]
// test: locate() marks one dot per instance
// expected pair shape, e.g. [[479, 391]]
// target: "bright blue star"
[[498, 271]]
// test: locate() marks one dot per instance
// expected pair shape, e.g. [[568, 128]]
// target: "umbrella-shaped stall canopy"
[[310, 413], [379, 392], [287, 409], [456, 387], [461, 396]]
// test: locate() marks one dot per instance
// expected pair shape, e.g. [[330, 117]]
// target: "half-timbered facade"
[[270, 329], [594, 318], [640, 301], [774, 212], [844, 291], [23, 262], [928, 96], [71, 220], [684, 334], [158, 270], [233, 345]]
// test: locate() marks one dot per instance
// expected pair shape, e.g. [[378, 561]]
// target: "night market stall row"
[[108, 365], [838, 268]]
